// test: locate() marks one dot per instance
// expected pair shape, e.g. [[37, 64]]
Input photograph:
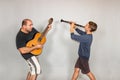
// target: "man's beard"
[[29, 31]]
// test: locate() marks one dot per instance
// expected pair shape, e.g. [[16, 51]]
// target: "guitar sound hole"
[[33, 45]]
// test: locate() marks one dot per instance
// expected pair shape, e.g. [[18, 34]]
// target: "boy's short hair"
[[93, 26]]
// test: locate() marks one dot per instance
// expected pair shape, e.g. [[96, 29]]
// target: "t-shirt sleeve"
[[20, 42]]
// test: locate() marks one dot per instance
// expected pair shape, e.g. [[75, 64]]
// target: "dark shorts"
[[83, 65]]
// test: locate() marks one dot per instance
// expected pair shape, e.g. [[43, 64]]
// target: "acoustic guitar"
[[39, 38]]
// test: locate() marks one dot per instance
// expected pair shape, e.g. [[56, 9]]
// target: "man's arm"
[[25, 50]]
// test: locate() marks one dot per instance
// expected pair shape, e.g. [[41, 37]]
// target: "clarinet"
[[70, 23]]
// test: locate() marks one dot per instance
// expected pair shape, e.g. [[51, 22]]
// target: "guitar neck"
[[43, 33], [46, 29]]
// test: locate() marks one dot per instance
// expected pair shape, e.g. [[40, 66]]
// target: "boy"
[[85, 39]]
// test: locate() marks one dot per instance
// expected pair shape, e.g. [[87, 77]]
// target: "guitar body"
[[34, 42]]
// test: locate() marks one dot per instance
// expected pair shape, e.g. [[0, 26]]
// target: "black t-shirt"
[[22, 39]]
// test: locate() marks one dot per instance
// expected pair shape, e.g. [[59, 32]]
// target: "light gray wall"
[[60, 52]]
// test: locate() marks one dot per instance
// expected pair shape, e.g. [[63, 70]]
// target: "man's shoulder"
[[34, 30]]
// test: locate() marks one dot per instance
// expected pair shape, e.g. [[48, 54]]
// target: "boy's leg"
[[91, 76], [76, 73]]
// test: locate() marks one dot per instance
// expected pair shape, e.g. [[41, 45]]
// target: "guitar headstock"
[[50, 21]]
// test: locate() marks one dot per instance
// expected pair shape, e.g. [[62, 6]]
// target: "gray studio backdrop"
[[60, 52]]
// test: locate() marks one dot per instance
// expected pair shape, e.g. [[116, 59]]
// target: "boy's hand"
[[72, 27]]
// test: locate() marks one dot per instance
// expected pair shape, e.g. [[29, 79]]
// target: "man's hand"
[[25, 50], [49, 27], [39, 46]]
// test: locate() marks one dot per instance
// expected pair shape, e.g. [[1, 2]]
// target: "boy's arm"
[[78, 38], [80, 31]]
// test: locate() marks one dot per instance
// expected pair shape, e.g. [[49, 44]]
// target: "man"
[[85, 40], [25, 34]]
